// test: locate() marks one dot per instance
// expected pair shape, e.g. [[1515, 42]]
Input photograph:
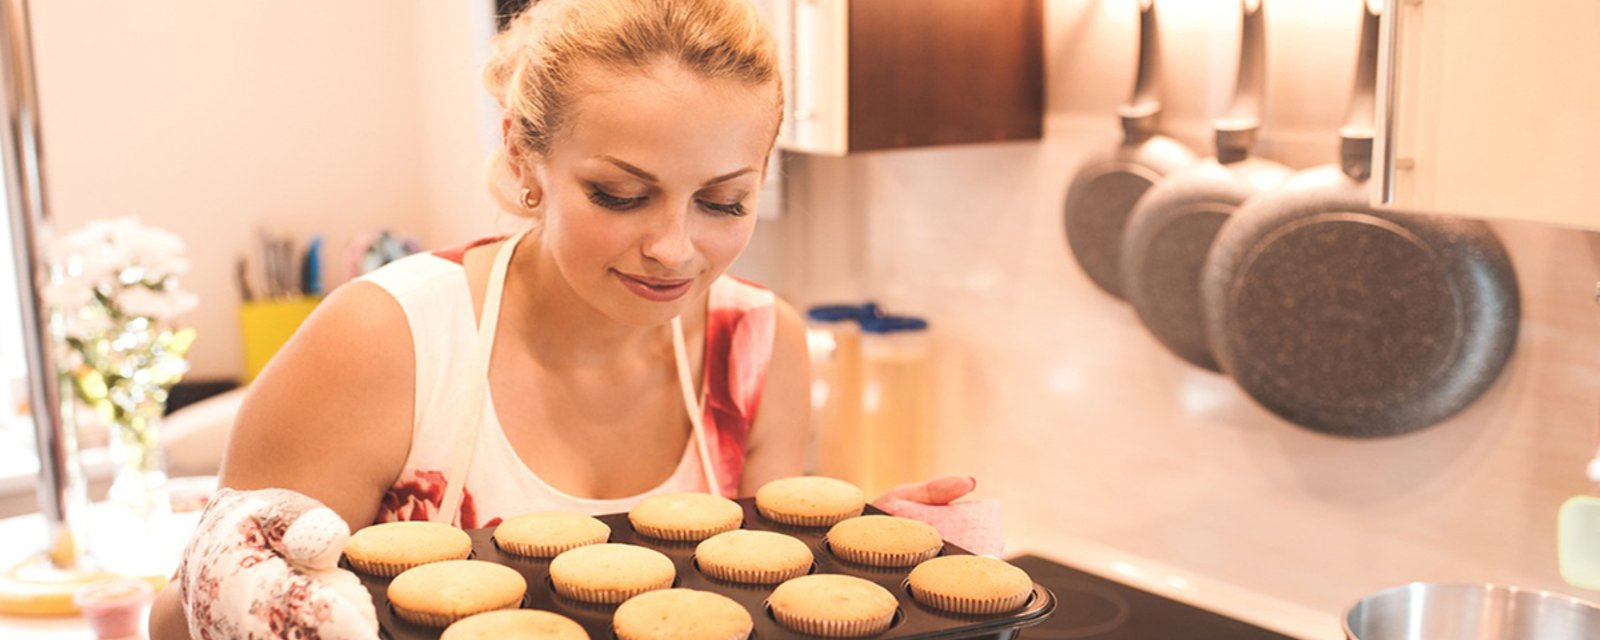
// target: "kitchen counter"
[[137, 548], [1259, 609]]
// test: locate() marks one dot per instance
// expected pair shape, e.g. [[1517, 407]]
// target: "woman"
[[600, 357]]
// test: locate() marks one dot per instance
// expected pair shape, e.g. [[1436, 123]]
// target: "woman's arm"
[[777, 446], [330, 417]]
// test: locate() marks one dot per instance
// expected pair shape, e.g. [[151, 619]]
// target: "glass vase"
[[141, 471]]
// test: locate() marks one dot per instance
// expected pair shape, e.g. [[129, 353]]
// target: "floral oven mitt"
[[263, 564]]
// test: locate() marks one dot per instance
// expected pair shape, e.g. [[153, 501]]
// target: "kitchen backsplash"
[[1057, 399]]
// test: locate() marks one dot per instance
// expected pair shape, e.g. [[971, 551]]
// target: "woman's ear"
[[514, 152], [521, 164]]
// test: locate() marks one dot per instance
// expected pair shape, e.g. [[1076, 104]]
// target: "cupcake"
[[685, 517], [610, 573], [547, 534], [884, 541], [392, 547], [973, 585], [437, 594], [515, 624], [809, 501], [681, 614], [754, 557], [833, 605]]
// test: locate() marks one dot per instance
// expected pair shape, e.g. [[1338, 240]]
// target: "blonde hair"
[[537, 61]]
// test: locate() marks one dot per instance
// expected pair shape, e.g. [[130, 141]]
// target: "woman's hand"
[[938, 491], [263, 564], [973, 525]]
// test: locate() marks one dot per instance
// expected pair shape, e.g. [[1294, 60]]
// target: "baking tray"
[[912, 621]]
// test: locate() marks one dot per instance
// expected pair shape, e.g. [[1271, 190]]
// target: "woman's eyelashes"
[[729, 208], [614, 202]]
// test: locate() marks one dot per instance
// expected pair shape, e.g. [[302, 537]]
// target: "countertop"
[[1253, 607], [137, 548]]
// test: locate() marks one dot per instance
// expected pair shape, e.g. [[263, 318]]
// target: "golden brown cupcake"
[[833, 605], [809, 501], [515, 624], [754, 557], [392, 547], [439, 593], [547, 534], [685, 517], [610, 573], [884, 541], [681, 614], [974, 585]]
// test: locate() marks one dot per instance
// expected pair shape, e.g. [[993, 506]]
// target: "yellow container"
[[1578, 541], [266, 325]]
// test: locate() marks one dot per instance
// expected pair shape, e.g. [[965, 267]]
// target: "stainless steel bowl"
[[1431, 611]]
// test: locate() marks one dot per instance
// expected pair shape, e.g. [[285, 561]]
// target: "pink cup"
[[113, 607]]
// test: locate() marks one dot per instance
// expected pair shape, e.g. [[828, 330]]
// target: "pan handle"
[[1355, 137], [1236, 131], [1142, 112]]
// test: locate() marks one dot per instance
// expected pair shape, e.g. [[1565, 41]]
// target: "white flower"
[[157, 305], [87, 322], [123, 261], [69, 293]]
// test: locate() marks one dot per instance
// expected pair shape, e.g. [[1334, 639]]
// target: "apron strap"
[[466, 440], [697, 410]]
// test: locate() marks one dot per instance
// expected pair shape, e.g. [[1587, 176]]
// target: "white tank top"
[[452, 390]]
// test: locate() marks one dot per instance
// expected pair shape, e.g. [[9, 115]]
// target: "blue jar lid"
[[842, 312], [892, 324]]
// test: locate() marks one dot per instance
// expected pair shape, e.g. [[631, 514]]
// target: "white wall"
[[1062, 405], [212, 119]]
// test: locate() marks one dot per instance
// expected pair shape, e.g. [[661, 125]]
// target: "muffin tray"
[[913, 620]]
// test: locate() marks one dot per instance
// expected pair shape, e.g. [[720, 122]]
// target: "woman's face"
[[650, 190]]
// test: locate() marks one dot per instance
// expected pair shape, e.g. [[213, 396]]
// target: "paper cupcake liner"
[[751, 576], [682, 535], [442, 620], [623, 635], [382, 569], [883, 559], [971, 606], [806, 521], [391, 569], [605, 596], [531, 550], [834, 628]]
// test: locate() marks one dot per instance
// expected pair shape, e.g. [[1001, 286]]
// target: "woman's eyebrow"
[[650, 177]]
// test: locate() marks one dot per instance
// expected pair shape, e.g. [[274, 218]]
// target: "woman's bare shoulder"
[[331, 414]]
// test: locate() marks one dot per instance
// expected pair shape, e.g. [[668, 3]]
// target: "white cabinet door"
[[1491, 108]]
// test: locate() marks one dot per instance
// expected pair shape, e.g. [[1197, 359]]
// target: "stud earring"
[[528, 201]]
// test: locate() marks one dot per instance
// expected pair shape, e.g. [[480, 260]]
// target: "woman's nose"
[[669, 241]]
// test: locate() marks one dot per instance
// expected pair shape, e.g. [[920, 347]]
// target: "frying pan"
[[1172, 227], [1351, 320], [1107, 185]]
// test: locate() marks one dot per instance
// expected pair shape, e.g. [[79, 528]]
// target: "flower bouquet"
[[113, 290]]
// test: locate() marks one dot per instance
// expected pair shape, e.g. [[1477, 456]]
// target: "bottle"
[[897, 396], [833, 337]]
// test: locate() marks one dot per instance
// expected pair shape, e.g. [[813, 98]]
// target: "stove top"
[[1091, 607]]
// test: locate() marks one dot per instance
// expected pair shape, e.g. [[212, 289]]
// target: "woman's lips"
[[655, 289]]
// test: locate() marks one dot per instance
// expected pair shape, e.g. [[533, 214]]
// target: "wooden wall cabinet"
[[1490, 109], [890, 74]]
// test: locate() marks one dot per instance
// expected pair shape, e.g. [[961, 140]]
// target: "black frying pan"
[[1108, 184], [1172, 227], [1350, 320]]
